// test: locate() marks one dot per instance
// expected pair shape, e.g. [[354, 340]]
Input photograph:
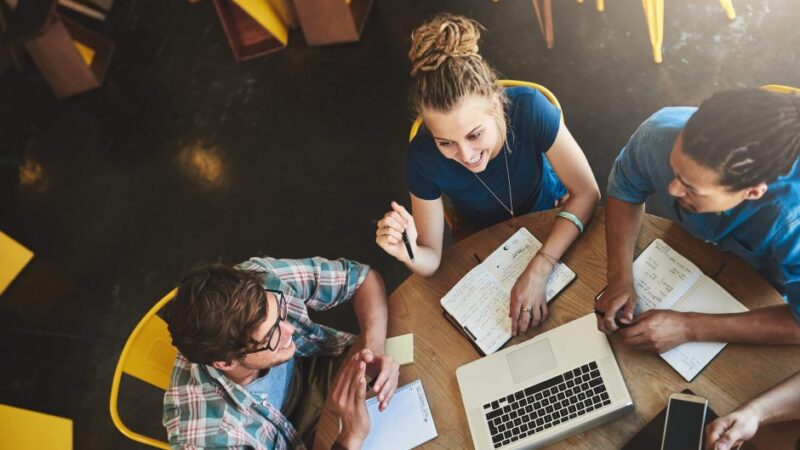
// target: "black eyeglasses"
[[273, 336]]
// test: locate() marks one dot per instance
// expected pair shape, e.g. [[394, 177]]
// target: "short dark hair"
[[215, 312], [748, 136]]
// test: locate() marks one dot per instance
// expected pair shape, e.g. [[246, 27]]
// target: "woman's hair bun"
[[444, 36]]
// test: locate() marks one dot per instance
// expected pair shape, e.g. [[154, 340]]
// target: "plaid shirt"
[[204, 409]]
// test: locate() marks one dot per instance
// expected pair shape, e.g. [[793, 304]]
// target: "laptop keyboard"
[[549, 403]]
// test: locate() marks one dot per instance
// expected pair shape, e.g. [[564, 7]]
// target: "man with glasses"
[[727, 172], [253, 370]]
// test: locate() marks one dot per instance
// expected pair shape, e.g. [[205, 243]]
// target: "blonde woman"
[[496, 153]]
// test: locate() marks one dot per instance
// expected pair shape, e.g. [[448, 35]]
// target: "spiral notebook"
[[478, 304], [405, 424]]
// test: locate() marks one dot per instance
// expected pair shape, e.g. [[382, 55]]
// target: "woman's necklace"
[[509, 208]]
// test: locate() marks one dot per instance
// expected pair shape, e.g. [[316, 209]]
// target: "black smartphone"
[[683, 427]]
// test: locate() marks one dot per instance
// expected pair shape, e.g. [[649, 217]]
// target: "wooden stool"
[[332, 21], [71, 58], [254, 27]]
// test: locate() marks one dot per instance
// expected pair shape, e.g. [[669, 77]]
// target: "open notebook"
[[405, 424], [664, 279], [478, 303]]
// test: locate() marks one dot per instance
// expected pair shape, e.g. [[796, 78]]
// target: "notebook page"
[[406, 423], [661, 276], [480, 303], [510, 259], [706, 296]]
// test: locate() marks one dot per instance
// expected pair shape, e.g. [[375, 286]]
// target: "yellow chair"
[[654, 13], [22, 429], [13, 258], [149, 356], [601, 5], [781, 89], [504, 83], [451, 215]]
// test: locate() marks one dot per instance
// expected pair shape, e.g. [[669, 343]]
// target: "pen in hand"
[[408, 245]]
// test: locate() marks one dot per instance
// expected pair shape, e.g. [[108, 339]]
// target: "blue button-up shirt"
[[765, 233]]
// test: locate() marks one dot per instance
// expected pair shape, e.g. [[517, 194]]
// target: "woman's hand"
[[389, 234], [528, 306], [730, 431]]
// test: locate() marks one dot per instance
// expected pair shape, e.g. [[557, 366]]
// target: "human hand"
[[658, 330], [349, 397], [730, 431], [389, 232], [528, 301], [384, 372], [618, 294]]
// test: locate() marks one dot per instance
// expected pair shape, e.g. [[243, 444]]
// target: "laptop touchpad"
[[531, 360]]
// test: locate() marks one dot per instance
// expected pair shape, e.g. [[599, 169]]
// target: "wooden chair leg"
[[654, 13], [548, 23], [544, 15], [727, 5]]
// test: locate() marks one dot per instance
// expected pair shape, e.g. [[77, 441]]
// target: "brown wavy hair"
[[215, 312], [446, 64]]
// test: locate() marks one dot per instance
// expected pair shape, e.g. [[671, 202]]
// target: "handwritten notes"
[[664, 279], [480, 300], [405, 424], [661, 275]]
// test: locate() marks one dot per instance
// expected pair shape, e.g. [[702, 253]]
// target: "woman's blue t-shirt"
[[534, 124]]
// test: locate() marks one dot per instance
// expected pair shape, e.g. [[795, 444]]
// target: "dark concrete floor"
[[187, 156]]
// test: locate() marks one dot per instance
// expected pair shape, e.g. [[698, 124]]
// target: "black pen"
[[408, 245]]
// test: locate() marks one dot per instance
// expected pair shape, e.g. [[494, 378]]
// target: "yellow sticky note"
[[13, 258], [401, 348], [23, 429], [87, 53]]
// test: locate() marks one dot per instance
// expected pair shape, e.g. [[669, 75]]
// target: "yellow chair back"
[[781, 89], [149, 356], [505, 83]]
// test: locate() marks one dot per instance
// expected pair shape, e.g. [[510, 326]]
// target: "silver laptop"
[[544, 390]]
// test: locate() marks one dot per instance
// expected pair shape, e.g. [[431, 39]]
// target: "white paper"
[[406, 423], [665, 279], [708, 297], [480, 300]]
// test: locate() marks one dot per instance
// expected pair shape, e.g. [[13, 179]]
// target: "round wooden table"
[[737, 374]]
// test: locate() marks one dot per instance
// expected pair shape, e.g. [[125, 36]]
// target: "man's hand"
[[618, 294], [658, 330], [384, 373], [349, 400], [728, 432], [528, 301]]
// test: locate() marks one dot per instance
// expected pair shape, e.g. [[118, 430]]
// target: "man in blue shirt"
[[728, 173]]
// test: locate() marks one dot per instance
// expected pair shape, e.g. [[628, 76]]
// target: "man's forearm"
[[623, 222], [372, 312], [770, 325]]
